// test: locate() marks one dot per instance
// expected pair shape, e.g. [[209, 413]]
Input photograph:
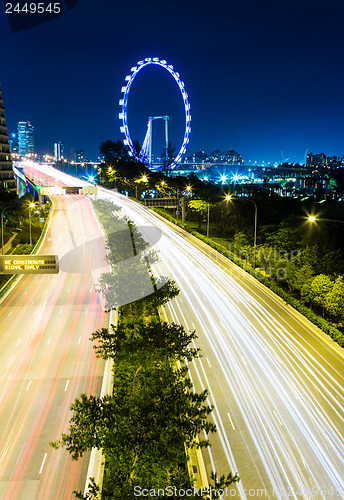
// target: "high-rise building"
[[77, 155], [25, 138], [58, 150], [7, 179], [316, 161]]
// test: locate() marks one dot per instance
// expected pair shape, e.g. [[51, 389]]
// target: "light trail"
[[280, 379], [49, 358], [277, 376]]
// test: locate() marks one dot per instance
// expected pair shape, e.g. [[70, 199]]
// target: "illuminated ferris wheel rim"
[[124, 102]]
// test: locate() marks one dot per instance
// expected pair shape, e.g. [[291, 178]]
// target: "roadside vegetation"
[[16, 223], [153, 415]]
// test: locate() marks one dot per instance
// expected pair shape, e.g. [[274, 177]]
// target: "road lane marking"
[[18, 342], [231, 421], [10, 313], [25, 293], [193, 326], [208, 363], [277, 417], [86, 310], [68, 290], [28, 386], [49, 341], [60, 311], [79, 340], [44, 459], [66, 385]]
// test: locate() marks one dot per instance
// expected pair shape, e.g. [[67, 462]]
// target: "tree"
[[240, 240], [319, 287], [334, 301], [143, 426], [298, 276], [267, 259], [155, 339], [200, 207], [113, 151]]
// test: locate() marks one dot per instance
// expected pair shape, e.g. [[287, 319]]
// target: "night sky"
[[262, 76]]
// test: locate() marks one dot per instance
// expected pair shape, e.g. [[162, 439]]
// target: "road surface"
[[276, 382], [47, 360]]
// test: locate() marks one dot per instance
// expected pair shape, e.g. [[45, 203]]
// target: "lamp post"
[[208, 220], [229, 198], [144, 178], [31, 205]]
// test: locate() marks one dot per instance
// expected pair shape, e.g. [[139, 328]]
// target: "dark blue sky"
[[262, 76]]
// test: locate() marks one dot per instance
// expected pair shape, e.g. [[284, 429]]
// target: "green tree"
[[320, 286], [334, 301], [200, 207], [297, 276], [143, 426], [240, 239]]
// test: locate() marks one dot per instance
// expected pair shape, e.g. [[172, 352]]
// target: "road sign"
[[162, 202], [29, 264]]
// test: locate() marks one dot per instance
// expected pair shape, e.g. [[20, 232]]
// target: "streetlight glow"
[[311, 218]]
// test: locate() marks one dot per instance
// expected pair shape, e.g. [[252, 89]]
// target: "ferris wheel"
[[143, 156]]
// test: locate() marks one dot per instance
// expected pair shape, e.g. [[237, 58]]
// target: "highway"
[[276, 382], [47, 358]]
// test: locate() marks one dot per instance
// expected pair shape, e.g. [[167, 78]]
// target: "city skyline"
[[260, 80]]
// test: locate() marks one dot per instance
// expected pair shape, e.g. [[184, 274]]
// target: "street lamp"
[[230, 198], [313, 218], [31, 205], [144, 178]]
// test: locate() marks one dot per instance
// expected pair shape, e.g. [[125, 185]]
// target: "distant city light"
[[91, 178], [223, 178]]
